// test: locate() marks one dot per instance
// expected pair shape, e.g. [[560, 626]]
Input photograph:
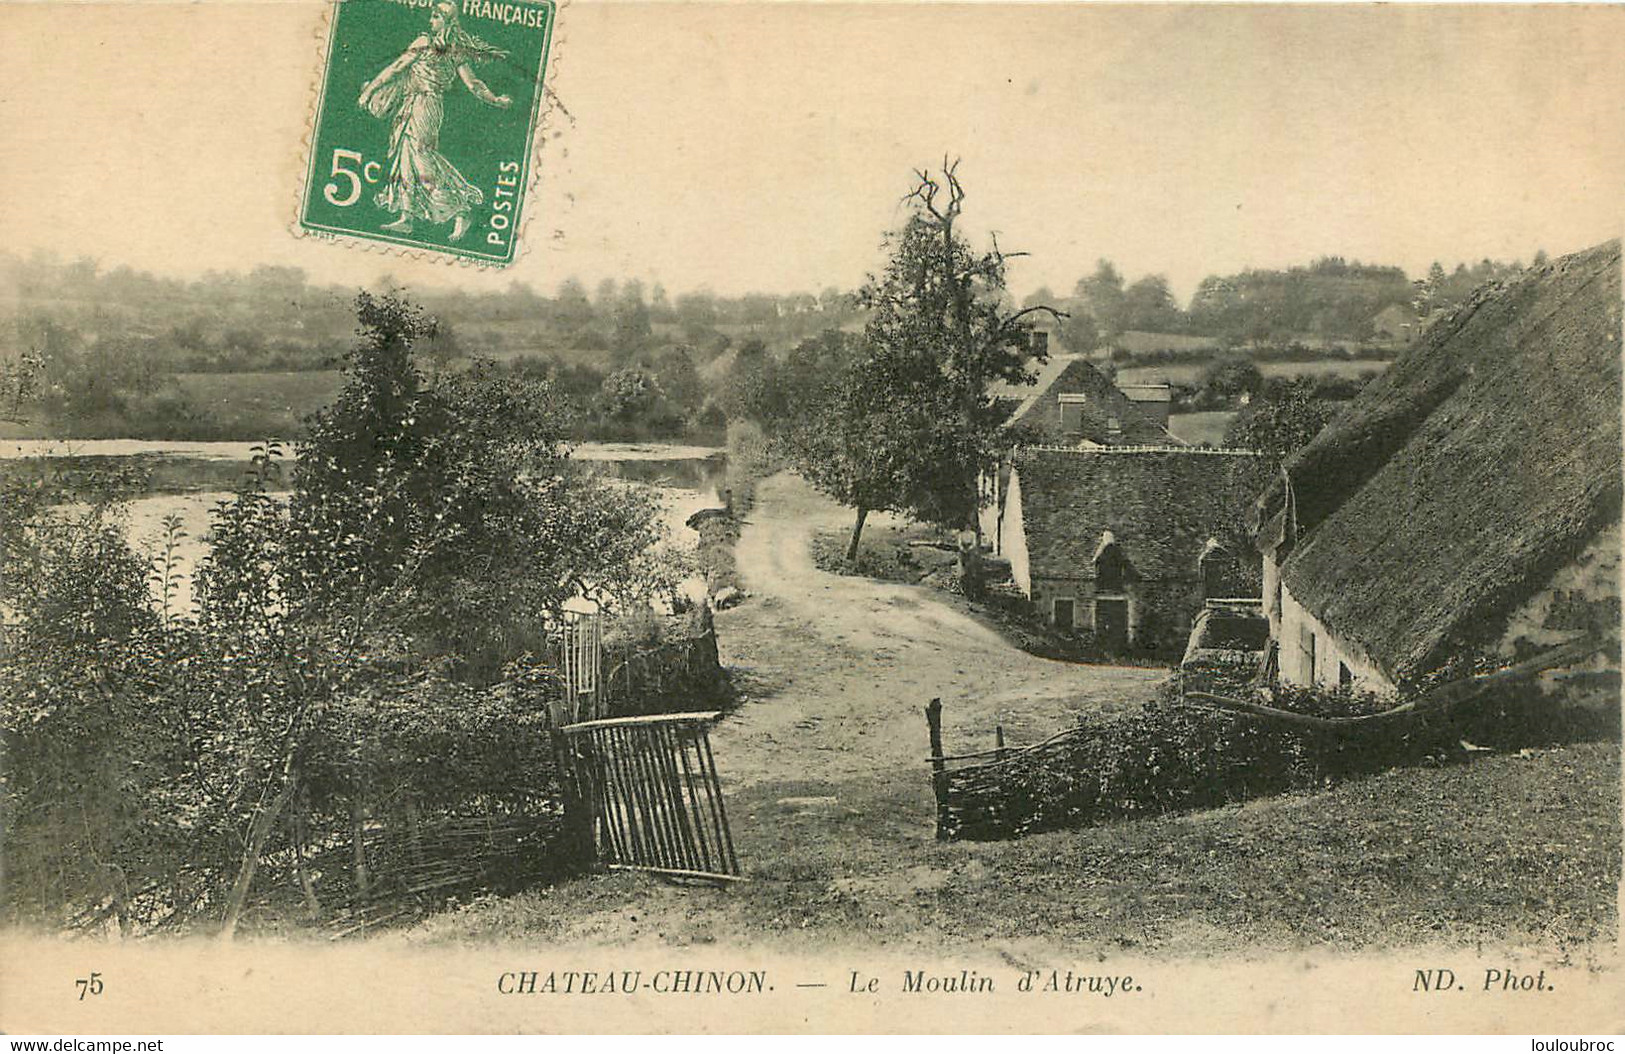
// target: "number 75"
[[91, 985]]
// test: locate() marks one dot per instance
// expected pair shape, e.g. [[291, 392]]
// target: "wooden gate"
[[655, 802], [581, 651]]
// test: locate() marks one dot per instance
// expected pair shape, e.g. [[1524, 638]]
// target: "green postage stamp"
[[425, 122]]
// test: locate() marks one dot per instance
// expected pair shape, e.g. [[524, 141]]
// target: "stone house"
[[1074, 403], [1467, 504], [1125, 544]]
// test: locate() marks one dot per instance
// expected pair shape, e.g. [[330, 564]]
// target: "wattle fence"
[[1201, 750], [392, 862]]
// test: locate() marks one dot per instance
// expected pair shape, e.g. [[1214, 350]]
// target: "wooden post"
[[259, 829], [358, 842], [998, 741], [579, 802], [939, 768], [301, 837]]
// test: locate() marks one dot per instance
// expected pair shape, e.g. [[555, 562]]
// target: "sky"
[[756, 146]]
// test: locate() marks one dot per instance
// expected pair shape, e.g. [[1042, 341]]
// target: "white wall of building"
[[1593, 575], [1590, 578], [1311, 654], [1013, 537]]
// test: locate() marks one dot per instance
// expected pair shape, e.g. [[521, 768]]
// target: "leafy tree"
[[572, 310], [1079, 333], [631, 320], [629, 394], [1041, 295], [604, 299], [679, 378], [883, 437], [660, 309], [911, 427], [1282, 420], [1104, 298], [1226, 380], [751, 391], [1149, 305], [408, 498], [811, 370]]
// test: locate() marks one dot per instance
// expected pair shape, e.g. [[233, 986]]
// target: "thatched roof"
[[1484, 459], [1161, 507], [1037, 406]]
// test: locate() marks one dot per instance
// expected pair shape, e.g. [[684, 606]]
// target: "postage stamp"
[[425, 123]]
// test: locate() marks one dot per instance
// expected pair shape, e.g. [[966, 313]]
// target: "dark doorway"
[[1111, 624], [1064, 614]]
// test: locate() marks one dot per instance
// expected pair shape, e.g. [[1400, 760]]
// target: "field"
[[258, 405], [1190, 373], [1140, 341], [1206, 427]]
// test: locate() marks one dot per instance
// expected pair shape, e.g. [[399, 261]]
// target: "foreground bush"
[[364, 656]]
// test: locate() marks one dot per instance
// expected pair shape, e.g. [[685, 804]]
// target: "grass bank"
[[256, 405], [750, 460], [1505, 850]]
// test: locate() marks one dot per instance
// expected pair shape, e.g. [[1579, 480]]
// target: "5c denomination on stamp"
[[425, 123]]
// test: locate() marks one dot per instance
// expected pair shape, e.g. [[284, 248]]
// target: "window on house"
[[1065, 613], [1345, 676], [1306, 646], [1215, 568], [1072, 411], [1109, 569]]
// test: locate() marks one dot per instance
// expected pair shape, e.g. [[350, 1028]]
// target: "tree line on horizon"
[[94, 350]]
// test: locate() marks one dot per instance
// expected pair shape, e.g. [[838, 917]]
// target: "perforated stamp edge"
[[543, 124]]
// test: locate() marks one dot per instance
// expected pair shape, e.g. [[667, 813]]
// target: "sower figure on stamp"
[[410, 91]]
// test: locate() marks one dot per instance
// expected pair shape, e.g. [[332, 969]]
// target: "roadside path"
[[842, 668], [823, 763]]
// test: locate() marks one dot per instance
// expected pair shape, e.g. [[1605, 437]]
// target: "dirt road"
[[823, 761], [839, 668]]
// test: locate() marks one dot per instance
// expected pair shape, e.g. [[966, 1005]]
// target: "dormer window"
[[1109, 565], [1214, 565]]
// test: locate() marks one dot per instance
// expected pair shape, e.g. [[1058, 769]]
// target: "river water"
[[683, 478]]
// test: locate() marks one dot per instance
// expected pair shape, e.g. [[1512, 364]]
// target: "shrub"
[[370, 648], [1167, 757]]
